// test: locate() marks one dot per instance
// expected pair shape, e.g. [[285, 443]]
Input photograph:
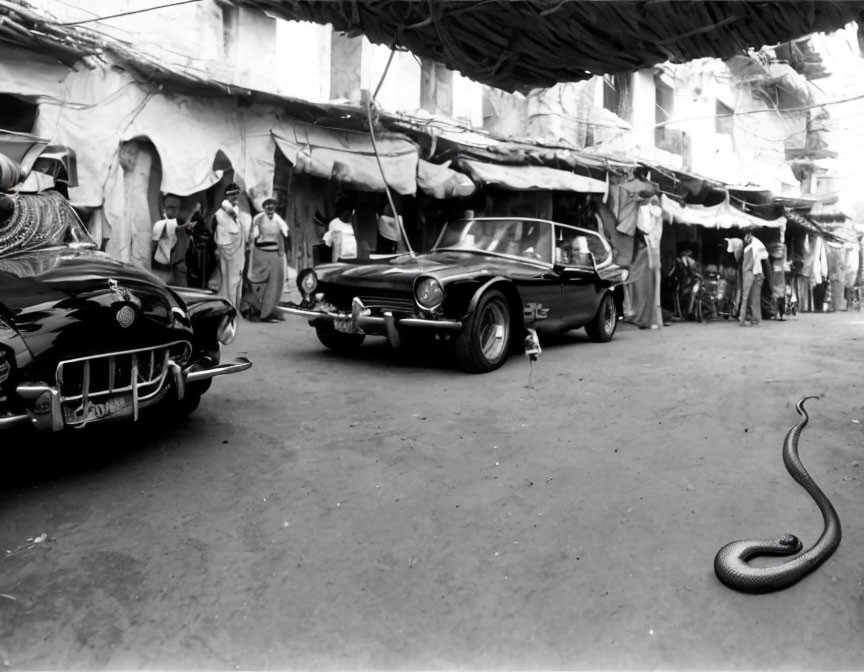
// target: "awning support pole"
[[378, 158]]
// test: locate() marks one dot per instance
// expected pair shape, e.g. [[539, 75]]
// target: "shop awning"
[[529, 178], [349, 157], [441, 181], [721, 216]]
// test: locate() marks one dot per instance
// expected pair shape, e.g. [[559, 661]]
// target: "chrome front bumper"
[[361, 321], [46, 404]]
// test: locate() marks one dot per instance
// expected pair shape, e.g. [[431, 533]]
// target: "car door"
[[539, 284], [576, 257]]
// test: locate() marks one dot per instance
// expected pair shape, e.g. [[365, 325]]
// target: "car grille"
[[378, 301], [138, 374], [400, 304]]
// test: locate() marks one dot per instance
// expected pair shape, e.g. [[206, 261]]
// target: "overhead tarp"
[[349, 156], [529, 178], [721, 216], [441, 181], [524, 45]]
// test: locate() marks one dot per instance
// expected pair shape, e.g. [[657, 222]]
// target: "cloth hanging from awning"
[[529, 178], [721, 216], [441, 181], [349, 156]]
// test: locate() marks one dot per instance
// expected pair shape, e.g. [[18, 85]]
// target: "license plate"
[[113, 408], [344, 325]]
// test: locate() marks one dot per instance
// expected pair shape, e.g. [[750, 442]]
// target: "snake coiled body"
[[730, 563]]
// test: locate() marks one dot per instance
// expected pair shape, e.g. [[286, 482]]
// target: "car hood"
[[67, 300], [400, 272]]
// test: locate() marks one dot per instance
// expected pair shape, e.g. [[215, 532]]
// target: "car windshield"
[[529, 239], [33, 221]]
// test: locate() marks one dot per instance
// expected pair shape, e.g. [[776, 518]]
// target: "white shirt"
[[165, 244], [340, 236]]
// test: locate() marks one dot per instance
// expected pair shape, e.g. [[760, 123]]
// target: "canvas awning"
[[349, 157], [529, 178], [721, 216]]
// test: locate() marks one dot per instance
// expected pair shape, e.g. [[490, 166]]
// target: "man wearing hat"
[[266, 272], [230, 241]]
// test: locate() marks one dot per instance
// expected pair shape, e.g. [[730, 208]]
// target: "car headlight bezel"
[[227, 330], [307, 283], [429, 293]]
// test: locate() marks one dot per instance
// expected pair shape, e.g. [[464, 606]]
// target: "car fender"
[[510, 292]]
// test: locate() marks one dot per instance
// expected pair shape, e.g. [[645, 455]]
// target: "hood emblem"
[[126, 313], [125, 316], [122, 293]]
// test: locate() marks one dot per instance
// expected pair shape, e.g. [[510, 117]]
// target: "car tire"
[[338, 341], [484, 342], [190, 401], [602, 327]]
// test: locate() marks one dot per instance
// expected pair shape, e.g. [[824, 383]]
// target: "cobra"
[[730, 563]]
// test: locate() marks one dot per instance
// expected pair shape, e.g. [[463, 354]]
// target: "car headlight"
[[227, 329], [307, 281], [429, 293]]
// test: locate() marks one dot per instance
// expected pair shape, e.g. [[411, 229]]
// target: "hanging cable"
[[129, 13], [378, 156]]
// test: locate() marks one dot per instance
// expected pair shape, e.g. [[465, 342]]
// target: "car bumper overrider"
[[113, 386], [361, 321]]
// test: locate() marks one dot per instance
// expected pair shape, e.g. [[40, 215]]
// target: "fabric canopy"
[[441, 181], [530, 178], [721, 216], [349, 156]]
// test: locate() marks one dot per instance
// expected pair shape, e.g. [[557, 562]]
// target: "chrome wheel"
[[492, 334]]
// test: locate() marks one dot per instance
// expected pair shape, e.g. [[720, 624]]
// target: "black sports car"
[[485, 280], [85, 337]]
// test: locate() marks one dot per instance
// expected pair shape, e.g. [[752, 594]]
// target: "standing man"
[[230, 238], [170, 242], [752, 277]]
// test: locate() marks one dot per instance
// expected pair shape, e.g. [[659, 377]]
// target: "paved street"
[[387, 511]]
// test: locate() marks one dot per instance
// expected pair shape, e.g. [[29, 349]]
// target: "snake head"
[[791, 541]]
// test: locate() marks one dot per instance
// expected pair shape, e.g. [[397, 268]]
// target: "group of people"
[[242, 257], [746, 279]]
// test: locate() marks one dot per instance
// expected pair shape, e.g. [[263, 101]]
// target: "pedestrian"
[[266, 272], [340, 233], [230, 237], [752, 278], [170, 242]]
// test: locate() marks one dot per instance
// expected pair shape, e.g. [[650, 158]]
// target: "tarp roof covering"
[[349, 156], [530, 178], [520, 44]]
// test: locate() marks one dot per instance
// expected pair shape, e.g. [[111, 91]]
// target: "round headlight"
[[307, 282], [429, 293]]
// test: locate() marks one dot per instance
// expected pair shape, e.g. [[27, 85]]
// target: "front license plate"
[[344, 325], [116, 407]]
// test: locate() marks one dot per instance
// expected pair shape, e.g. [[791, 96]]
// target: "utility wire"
[[134, 11]]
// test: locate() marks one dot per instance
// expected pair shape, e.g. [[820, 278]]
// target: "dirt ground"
[[385, 511]]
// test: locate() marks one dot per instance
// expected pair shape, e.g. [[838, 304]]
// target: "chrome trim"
[[239, 364], [390, 327], [52, 417], [364, 321]]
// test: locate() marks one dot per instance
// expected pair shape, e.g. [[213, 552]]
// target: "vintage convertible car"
[[484, 281], [87, 338]]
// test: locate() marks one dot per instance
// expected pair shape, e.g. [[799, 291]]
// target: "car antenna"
[[369, 107]]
